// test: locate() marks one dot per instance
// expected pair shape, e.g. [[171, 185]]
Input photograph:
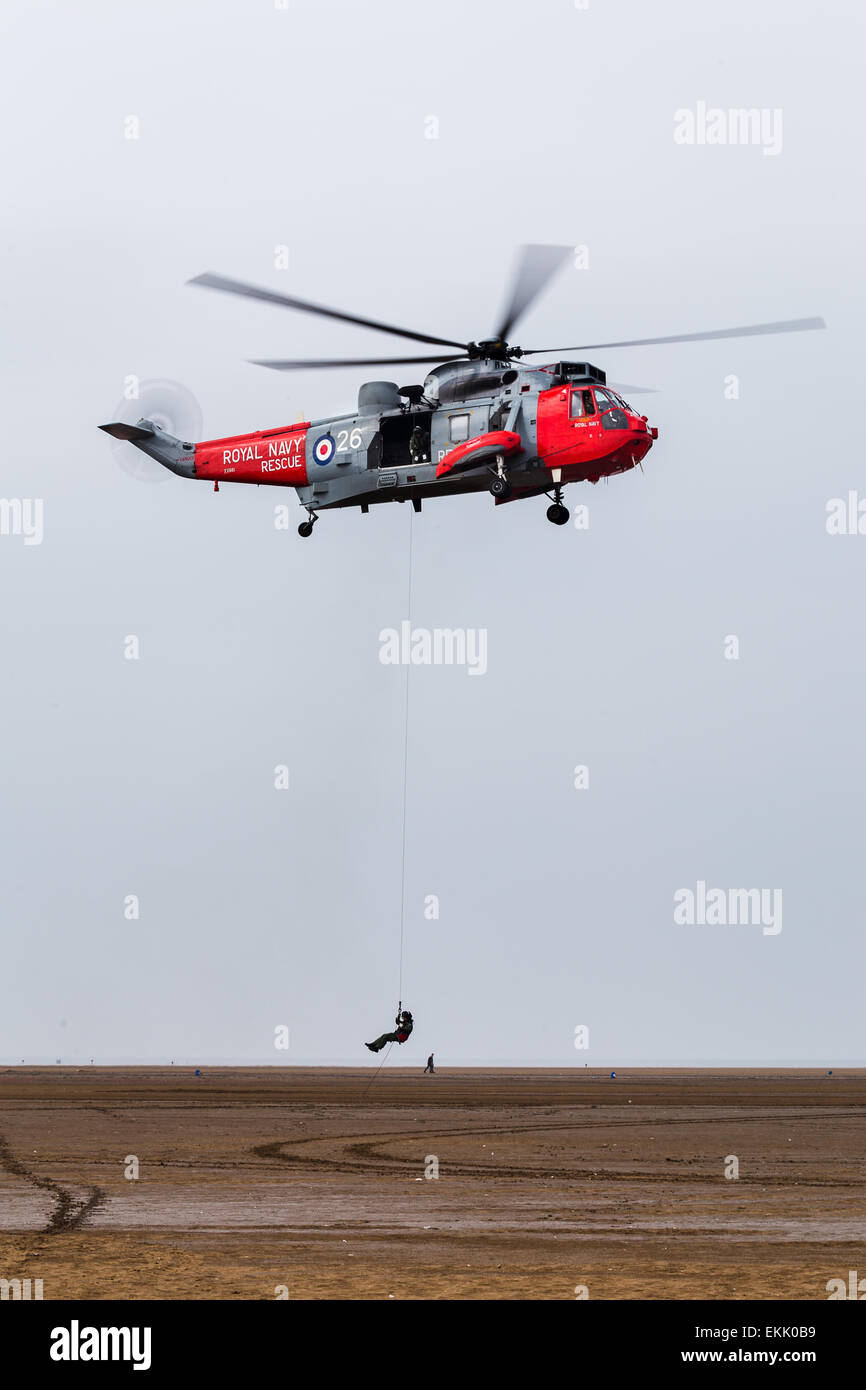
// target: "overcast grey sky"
[[307, 127]]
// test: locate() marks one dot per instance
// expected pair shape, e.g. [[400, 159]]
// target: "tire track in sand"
[[69, 1212], [361, 1153]]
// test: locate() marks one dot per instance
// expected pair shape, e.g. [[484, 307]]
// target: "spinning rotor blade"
[[279, 365], [165, 403], [749, 331], [220, 282], [537, 265]]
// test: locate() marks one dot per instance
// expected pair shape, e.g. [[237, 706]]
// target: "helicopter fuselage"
[[483, 417], [537, 428]]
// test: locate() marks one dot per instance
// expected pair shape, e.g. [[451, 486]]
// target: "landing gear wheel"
[[500, 487], [305, 528], [558, 514]]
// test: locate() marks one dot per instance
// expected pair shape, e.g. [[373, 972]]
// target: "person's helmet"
[[405, 1014]]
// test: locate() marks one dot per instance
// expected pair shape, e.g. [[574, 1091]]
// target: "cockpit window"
[[581, 404], [613, 416]]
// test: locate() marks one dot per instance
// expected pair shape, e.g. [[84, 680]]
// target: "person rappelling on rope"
[[403, 1025]]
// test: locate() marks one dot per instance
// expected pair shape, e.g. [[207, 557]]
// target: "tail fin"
[[173, 454], [133, 433]]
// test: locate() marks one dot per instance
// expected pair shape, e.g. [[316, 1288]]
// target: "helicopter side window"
[[458, 428], [581, 404]]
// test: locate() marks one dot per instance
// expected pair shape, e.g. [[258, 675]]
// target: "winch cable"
[[403, 819], [405, 766], [403, 830], [376, 1072]]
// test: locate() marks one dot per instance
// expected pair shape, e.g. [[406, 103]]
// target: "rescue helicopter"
[[481, 419]]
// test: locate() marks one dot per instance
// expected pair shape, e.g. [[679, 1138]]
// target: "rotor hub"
[[489, 347]]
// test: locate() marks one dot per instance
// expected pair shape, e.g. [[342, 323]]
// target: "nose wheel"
[[558, 513], [306, 527]]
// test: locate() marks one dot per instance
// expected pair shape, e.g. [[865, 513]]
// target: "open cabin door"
[[395, 434], [374, 449]]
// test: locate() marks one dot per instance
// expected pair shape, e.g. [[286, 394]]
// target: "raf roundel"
[[323, 450]]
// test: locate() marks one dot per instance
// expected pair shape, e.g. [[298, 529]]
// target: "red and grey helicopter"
[[481, 420]]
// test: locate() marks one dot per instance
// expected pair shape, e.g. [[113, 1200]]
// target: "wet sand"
[[319, 1181]]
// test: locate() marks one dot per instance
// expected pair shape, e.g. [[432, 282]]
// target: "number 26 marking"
[[347, 440]]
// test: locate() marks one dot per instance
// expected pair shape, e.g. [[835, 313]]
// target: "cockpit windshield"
[[600, 400], [612, 409]]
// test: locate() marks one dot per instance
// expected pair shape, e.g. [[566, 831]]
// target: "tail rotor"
[[170, 406]]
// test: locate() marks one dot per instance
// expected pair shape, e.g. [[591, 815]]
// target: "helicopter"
[[482, 419]]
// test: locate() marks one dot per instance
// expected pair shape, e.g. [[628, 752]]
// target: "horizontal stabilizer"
[[133, 433]]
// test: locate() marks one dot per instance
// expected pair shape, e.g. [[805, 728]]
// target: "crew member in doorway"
[[403, 1025], [429, 1067], [417, 450]]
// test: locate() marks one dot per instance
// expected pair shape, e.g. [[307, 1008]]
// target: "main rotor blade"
[[536, 266], [221, 282], [279, 365], [749, 331], [633, 390]]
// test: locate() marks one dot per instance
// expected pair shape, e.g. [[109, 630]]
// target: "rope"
[[405, 781], [378, 1069], [405, 769]]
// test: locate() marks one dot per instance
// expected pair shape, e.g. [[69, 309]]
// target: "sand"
[[317, 1183]]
